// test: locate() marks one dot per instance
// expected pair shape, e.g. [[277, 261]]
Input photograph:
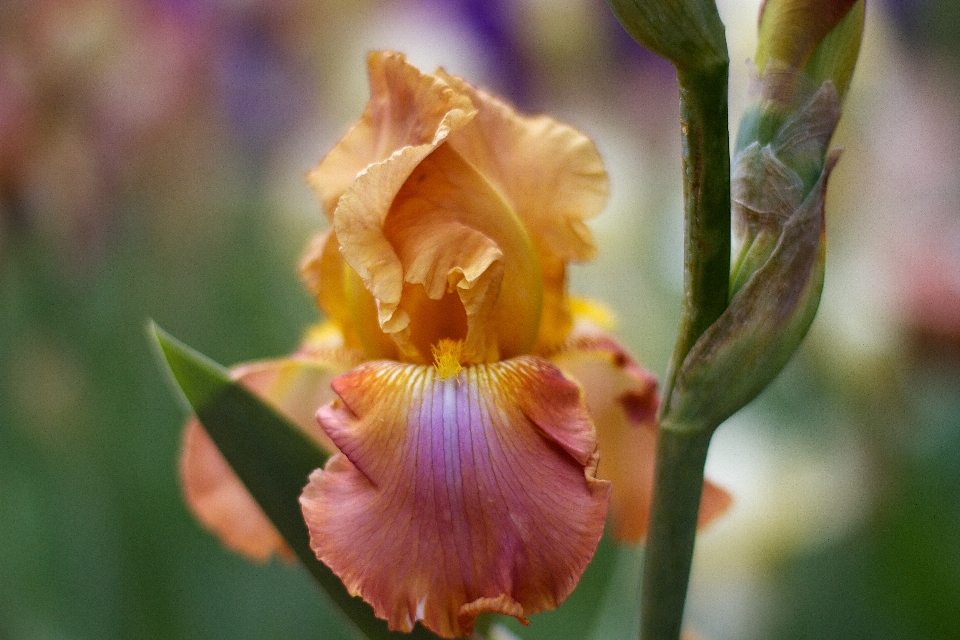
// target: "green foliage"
[[273, 459]]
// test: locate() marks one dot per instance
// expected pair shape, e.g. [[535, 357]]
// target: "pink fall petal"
[[457, 496], [622, 399], [295, 386], [218, 499]]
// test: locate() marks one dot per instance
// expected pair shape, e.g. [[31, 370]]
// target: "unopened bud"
[[739, 354], [779, 178], [770, 182], [808, 41]]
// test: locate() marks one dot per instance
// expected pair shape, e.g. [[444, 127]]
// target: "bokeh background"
[[152, 155]]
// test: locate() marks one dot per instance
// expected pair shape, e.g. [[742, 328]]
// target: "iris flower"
[[466, 398]]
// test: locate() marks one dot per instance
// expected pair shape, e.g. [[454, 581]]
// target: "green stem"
[[682, 449], [673, 529], [706, 196]]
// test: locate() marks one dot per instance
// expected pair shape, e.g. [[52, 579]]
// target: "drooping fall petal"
[[218, 499], [296, 386], [623, 403], [459, 495]]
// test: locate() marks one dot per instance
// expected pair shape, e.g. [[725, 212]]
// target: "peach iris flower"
[[465, 397]]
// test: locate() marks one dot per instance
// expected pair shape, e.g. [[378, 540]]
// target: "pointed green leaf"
[[273, 458]]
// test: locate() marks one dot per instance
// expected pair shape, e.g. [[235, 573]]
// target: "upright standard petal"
[[407, 109], [622, 399], [456, 237], [457, 495], [341, 296], [551, 175], [361, 215], [416, 235], [296, 386], [568, 186]]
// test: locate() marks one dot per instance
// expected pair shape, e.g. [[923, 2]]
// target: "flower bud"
[[802, 44], [770, 182], [780, 170], [820, 38], [688, 33], [806, 54], [740, 353]]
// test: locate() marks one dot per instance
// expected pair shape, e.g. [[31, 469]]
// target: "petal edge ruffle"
[[457, 496], [622, 399]]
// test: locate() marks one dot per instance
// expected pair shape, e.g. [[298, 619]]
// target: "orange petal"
[[407, 109], [455, 235], [622, 398], [569, 184], [551, 175], [409, 116], [341, 296], [296, 387], [422, 225], [218, 499], [457, 496]]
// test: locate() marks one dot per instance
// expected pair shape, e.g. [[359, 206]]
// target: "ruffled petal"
[[622, 398], [568, 186], [407, 109], [438, 249], [459, 495], [455, 237], [551, 175], [432, 111], [295, 386], [344, 300]]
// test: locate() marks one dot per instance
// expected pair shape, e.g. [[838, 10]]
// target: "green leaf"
[[273, 458], [618, 615]]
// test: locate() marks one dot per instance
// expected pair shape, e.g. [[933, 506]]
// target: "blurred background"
[[152, 155]]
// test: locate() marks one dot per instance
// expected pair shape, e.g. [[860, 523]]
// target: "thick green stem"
[[673, 528], [682, 449], [706, 195]]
